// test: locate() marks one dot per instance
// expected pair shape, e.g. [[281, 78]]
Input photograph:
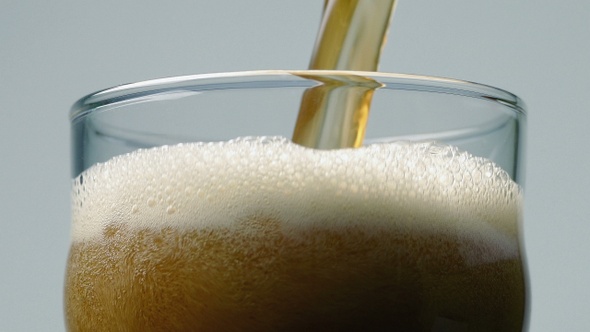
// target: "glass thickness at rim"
[[287, 78], [483, 120]]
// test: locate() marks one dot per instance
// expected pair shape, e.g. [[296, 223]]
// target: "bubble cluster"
[[193, 185]]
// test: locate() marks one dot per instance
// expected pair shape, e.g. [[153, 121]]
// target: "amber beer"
[[260, 234], [352, 35]]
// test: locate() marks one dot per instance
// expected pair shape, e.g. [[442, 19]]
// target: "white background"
[[53, 52]]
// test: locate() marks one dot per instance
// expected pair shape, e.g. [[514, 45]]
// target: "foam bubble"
[[420, 186]]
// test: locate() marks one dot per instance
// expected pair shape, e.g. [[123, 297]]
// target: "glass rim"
[[213, 81]]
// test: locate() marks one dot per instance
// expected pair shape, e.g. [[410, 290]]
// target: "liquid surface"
[[261, 234]]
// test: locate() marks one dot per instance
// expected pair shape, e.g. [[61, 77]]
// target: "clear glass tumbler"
[[192, 209]]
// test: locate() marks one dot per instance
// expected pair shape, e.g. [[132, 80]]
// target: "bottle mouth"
[[285, 78]]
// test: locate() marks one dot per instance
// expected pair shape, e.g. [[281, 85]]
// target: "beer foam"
[[426, 187]]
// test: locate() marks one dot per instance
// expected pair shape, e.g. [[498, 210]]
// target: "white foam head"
[[424, 186]]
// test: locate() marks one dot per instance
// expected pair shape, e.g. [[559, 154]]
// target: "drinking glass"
[[193, 210]]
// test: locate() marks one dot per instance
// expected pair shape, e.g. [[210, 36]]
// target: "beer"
[[260, 234], [351, 37]]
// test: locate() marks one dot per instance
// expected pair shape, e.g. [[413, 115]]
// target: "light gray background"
[[52, 53]]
